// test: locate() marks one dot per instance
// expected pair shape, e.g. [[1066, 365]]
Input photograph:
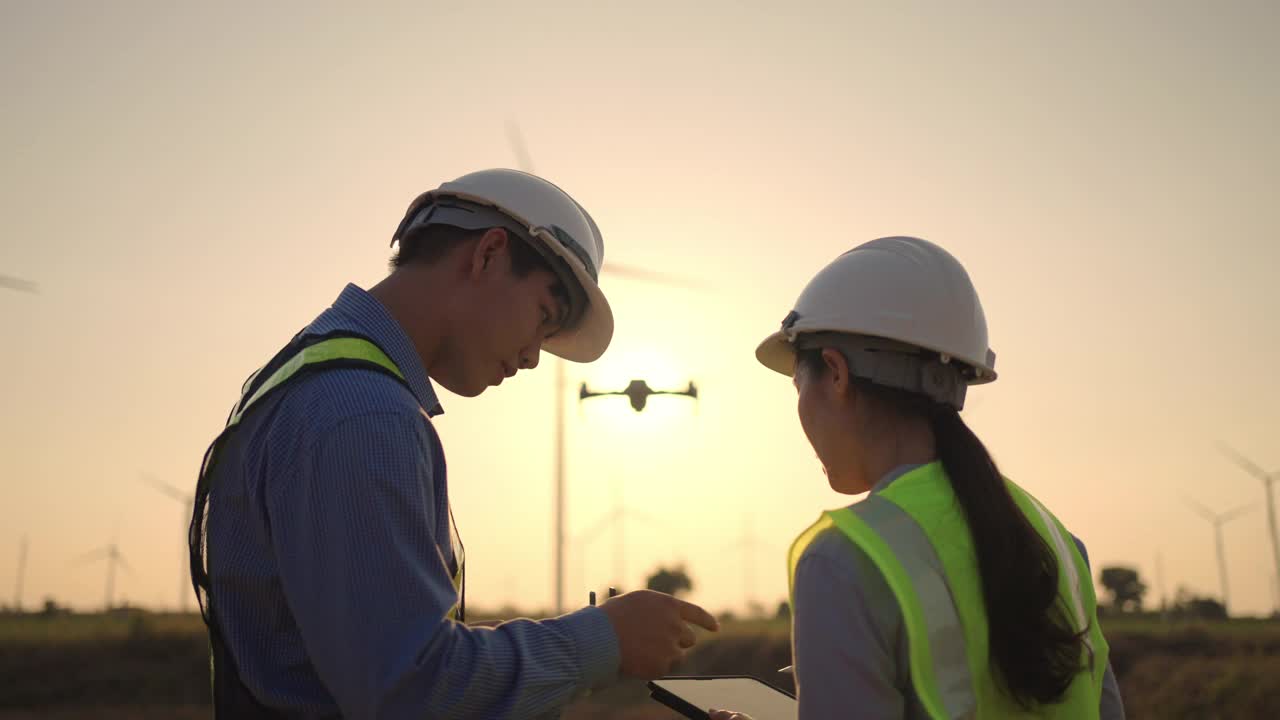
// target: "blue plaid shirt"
[[330, 544]]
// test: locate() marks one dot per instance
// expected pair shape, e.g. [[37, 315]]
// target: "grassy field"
[[156, 666]]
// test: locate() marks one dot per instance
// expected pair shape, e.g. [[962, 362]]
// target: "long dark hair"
[[1033, 649]]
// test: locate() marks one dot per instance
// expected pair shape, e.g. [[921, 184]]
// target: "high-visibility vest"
[[918, 537], [303, 356]]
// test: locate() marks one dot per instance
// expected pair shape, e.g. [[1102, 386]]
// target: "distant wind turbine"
[[1218, 520], [22, 573], [749, 543], [114, 557], [1268, 480], [615, 519], [188, 503], [525, 162]]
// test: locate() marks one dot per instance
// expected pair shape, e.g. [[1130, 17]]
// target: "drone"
[[639, 392]]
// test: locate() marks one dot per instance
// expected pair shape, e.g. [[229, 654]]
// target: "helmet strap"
[[894, 365]]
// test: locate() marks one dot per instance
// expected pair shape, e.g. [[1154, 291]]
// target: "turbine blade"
[[1201, 510], [13, 283], [603, 524], [632, 272], [1243, 462], [643, 517], [165, 488], [1233, 514], [91, 556], [523, 160]]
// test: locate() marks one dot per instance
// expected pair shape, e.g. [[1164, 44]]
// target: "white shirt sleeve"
[[846, 635]]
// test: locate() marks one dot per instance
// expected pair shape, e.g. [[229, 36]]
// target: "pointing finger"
[[696, 615]]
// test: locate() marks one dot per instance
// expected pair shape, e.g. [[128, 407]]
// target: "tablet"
[[693, 696]]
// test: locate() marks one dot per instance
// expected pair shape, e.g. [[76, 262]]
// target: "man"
[[322, 544]]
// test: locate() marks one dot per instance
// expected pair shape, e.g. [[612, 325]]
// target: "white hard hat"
[[555, 224], [902, 289]]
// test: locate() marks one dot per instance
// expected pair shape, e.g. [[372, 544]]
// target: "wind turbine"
[[616, 519], [114, 557], [525, 162], [22, 572], [1218, 520], [1164, 605], [749, 543], [638, 392], [10, 282], [188, 503], [1268, 480]]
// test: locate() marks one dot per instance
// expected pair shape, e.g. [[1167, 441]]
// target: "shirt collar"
[[360, 311], [892, 475]]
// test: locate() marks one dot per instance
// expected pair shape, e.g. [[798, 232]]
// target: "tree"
[[1189, 605], [1206, 609], [671, 582], [1125, 587]]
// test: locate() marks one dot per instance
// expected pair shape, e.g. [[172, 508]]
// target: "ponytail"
[[1034, 652], [1033, 649]]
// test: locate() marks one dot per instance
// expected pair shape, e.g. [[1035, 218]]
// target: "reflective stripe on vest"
[[915, 533], [340, 348], [231, 697], [326, 351], [1065, 564], [913, 571]]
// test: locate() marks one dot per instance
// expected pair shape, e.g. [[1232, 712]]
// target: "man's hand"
[[653, 631], [727, 715]]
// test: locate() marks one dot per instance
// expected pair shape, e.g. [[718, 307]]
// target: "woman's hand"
[[727, 715]]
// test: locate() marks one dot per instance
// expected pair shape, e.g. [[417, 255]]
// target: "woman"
[[949, 592]]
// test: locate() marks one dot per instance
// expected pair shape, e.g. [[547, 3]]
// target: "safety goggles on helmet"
[[471, 215]]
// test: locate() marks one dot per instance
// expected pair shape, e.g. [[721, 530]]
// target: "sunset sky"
[[190, 183]]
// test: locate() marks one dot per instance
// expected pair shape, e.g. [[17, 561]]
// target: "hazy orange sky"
[[190, 185]]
